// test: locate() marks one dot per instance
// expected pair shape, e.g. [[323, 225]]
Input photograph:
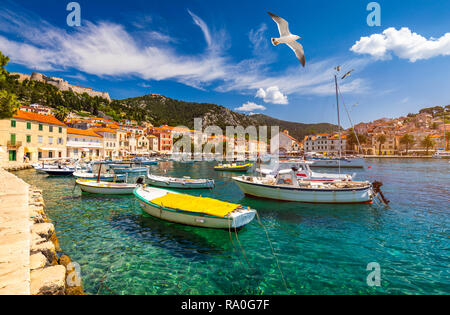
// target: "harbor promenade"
[[29, 262], [14, 235]]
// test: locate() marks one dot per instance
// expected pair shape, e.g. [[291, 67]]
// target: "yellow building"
[[33, 136]]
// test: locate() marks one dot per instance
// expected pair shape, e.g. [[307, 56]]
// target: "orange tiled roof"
[[48, 119], [104, 130], [83, 132]]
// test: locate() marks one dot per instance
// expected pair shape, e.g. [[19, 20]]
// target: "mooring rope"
[[273, 251], [231, 239], [242, 248]]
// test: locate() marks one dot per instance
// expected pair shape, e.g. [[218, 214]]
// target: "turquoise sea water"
[[322, 249]]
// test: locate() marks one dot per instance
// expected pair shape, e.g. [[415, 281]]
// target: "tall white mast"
[[339, 117]]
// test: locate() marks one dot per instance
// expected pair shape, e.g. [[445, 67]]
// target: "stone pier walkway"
[[14, 235]]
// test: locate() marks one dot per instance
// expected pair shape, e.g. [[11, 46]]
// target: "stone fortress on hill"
[[61, 84]]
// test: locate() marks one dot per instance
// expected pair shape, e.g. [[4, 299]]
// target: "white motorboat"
[[303, 171], [181, 183], [287, 187], [441, 154], [331, 162], [59, 171], [189, 210], [106, 188]]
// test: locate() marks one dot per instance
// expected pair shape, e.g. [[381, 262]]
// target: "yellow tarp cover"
[[196, 204]]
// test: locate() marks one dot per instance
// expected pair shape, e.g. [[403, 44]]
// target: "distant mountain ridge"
[[162, 110]]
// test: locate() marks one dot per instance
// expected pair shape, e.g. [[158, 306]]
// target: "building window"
[[41, 127], [40, 139], [13, 139], [28, 138], [28, 125], [50, 140], [60, 141], [50, 128], [60, 129], [13, 123]]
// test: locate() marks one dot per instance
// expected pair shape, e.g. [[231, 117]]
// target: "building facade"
[[31, 136], [84, 144]]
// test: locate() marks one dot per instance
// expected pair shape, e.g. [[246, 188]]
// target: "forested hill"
[[154, 108]]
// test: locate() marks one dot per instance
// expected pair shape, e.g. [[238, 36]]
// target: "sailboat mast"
[[338, 116]]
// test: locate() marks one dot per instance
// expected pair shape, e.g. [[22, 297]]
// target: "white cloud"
[[272, 95], [200, 23], [108, 50], [249, 107], [404, 44]]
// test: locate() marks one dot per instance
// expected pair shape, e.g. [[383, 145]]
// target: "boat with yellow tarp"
[[190, 210], [233, 167]]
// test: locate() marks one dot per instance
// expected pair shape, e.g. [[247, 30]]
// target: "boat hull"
[[306, 195], [103, 178], [58, 172], [179, 185], [85, 186], [336, 163], [129, 170], [194, 219]]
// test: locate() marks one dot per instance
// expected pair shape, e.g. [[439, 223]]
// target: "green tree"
[[381, 139], [408, 141], [8, 101], [8, 105], [428, 143]]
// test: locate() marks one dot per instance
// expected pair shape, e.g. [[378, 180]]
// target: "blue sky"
[[220, 52]]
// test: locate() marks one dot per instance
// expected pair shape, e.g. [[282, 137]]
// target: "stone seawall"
[[29, 261]]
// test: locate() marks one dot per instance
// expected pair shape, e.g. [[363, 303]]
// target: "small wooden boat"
[[233, 167], [190, 210], [103, 177], [105, 188], [287, 187], [181, 183]]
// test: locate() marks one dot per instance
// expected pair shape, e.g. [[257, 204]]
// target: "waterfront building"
[[84, 144], [142, 144], [110, 142], [288, 143], [324, 143], [165, 139], [123, 142], [32, 135], [152, 143]]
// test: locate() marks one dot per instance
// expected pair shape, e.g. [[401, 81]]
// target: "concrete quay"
[[29, 263]]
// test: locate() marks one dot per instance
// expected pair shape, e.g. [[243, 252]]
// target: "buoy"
[[370, 167]]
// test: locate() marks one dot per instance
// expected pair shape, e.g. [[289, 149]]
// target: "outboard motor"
[[140, 180]]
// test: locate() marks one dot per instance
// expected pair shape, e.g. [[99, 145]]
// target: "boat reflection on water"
[[179, 240]]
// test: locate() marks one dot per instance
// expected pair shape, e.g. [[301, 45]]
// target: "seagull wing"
[[299, 52], [283, 25]]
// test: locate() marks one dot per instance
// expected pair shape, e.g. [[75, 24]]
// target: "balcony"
[[14, 144]]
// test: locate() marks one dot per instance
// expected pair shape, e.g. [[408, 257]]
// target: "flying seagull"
[[287, 38]]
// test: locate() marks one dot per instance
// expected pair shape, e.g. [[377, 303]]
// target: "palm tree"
[[428, 143], [61, 113], [381, 140], [407, 140]]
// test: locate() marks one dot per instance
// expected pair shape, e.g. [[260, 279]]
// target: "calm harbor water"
[[322, 249]]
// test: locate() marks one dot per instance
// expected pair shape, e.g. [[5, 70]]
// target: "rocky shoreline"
[[29, 249], [50, 274]]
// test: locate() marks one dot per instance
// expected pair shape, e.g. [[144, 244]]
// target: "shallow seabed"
[[322, 249]]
